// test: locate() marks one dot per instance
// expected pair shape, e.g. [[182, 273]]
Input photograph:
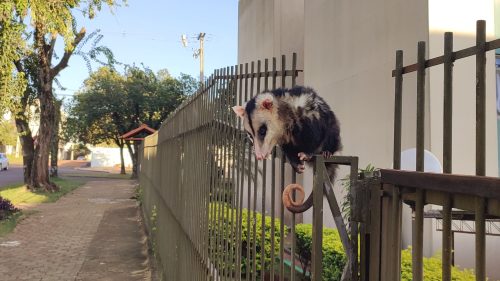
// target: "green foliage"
[[111, 104], [8, 135], [432, 269], [11, 42], [346, 184], [6, 208], [223, 233], [19, 194], [90, 116], [9, 223], [153, 220], [334, 258]]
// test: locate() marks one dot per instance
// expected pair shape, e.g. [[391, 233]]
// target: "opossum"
[[296, 119]]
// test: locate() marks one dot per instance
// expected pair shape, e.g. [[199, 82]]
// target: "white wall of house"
[[270, 28], [108, 157]]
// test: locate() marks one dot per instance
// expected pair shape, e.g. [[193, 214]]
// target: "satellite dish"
[[409, 160]]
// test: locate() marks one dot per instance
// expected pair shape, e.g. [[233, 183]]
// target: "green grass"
[[7, 225], [19, 194]]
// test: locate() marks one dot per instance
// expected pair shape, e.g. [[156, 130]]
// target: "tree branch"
[[67, 54], [51, 46], [19, 66]]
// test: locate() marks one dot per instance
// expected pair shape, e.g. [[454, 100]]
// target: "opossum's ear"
[[239, 110], [267, 104]]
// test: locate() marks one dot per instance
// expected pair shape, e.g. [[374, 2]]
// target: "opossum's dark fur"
[[298, 120]]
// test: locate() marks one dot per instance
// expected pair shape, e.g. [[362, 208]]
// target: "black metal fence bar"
[[448, 102], [398, 107], [419, 188], [464, 53], [447, 243], [481, 98], [480, 262], [254, 201], [420, 134], [317, 239]]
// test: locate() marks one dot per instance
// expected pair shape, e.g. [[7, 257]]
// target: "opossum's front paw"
[[304, 157], [300, 168], [327, 154]]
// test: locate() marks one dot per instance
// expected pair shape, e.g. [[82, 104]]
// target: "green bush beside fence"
[[223, 219], [334, 258]]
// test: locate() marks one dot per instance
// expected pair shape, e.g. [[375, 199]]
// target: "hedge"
[[334, 258], [221, 241], [6, 208]]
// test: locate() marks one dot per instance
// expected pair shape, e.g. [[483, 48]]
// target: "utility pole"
[[201, 38], [200, 53]]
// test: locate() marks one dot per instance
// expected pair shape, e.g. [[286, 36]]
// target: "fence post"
[[317, 239], [448, 102], [481, 98], [398, 105]]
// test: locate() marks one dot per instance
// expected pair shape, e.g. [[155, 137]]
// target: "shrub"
[[223, 237], [334, 258], [6, 208], [432, 269]]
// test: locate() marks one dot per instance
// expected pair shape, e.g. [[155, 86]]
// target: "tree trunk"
[[27, 144], [122, 158], [54, 151], [46, 75], [40, 171], [132, 149]]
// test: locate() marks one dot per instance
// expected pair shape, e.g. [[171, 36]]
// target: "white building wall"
[[108, 157], [268, 28]]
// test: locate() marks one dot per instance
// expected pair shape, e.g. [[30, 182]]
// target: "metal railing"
[[215, 213], [478, 195]]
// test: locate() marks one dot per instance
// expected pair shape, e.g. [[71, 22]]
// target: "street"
[[67, 168], [13, 175]]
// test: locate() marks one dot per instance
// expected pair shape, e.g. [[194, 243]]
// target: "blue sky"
[[149, 32]]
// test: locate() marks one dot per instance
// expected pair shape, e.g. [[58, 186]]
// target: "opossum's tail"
[[299, 206]]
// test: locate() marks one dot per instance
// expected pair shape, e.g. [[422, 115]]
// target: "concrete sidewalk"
[[94, 233]]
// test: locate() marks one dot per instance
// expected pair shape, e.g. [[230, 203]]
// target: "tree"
[[152, 97], [90, 114], [8, 134], [49, 20], [121, 103], [54, 146]]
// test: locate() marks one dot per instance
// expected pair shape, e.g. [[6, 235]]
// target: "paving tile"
[[54, 243]]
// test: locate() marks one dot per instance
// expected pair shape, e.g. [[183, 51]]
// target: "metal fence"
[[476, 197], [215, 213]]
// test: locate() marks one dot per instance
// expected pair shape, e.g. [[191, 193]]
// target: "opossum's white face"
[[262, 124]]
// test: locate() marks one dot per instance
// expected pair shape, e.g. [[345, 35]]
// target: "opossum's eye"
[[262, 131]]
